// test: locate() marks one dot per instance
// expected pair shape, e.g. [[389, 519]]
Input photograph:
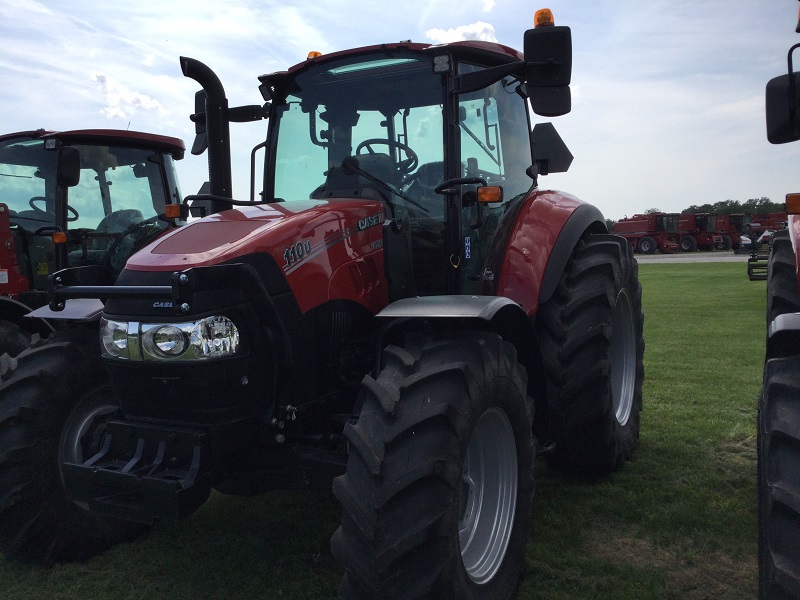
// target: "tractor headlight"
[[165, 340], [212, 337], [114, 338]]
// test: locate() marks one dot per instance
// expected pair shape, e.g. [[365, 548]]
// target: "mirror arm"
[[470, 82]]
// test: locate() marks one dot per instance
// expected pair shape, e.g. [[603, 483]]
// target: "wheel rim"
[[488, 496], [623, 357]]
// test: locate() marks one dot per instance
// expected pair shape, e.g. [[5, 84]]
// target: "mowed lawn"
[[678, 522]]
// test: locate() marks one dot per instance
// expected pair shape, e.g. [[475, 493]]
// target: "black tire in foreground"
[[592, 343], [779, 438], [782, 293], [647, 245], [54, 403], [779, 480], [438, 490]]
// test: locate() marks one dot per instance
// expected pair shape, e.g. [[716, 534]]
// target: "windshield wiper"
[[482, 145]]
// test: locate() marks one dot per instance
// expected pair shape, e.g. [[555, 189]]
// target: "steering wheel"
[[404, 167], [35, 199], [117, 254]]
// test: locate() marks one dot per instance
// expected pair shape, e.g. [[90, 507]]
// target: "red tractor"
[[403, 313], [779, 409], [650, 232], [74, 198], [699, 232], [731, 227]]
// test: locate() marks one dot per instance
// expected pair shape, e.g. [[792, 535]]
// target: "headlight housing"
[[208, 338]]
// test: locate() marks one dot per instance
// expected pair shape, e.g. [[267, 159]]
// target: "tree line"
[[729, 207]]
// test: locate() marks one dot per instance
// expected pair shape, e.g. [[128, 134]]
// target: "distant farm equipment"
[[700, 232], [650, 232]]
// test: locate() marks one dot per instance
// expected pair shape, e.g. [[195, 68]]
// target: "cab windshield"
[[371, 127]]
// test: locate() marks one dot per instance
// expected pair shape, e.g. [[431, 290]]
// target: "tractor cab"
[[439, 135], [79, 198], [383, 124]]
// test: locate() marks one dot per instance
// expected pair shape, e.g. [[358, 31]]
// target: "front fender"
[[16, 312], [494, 313]]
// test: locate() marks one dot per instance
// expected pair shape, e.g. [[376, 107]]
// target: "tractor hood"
[[313, 234]]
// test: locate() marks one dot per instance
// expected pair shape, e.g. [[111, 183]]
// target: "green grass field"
[[679, 522]]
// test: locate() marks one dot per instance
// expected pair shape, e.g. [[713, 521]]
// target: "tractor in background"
[[401, 313], [732, 227], [650, 232], [75, 198], [699, 232]]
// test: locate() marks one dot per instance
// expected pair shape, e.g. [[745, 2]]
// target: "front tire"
[[14, 339], [437, 494], [591, 334], [54, 405], [778, 481]]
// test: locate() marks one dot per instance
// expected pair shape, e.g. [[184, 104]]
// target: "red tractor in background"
[[779, 405], [732, 227], [650, 232], [699, 232], [403, 312], [72, 198]]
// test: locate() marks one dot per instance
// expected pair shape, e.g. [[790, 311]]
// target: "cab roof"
[[113, 137]]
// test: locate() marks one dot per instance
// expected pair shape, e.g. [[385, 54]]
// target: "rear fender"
[[546, 230]]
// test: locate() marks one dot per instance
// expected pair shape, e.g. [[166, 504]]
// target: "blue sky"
[[668, 96]]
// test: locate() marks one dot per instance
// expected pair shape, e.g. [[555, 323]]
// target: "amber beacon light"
[[543, 18]]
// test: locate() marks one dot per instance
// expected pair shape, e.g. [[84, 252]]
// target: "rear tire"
[[779, 438], [437, 495], [53, 407], [647, 245], [592, 343]]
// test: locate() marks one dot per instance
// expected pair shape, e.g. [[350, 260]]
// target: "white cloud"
[[476, 31], [488, 5], [122, 102]]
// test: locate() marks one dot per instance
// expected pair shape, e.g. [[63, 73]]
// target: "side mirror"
[[549, 150], [69, 166], [548, 69], [783, 116]]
